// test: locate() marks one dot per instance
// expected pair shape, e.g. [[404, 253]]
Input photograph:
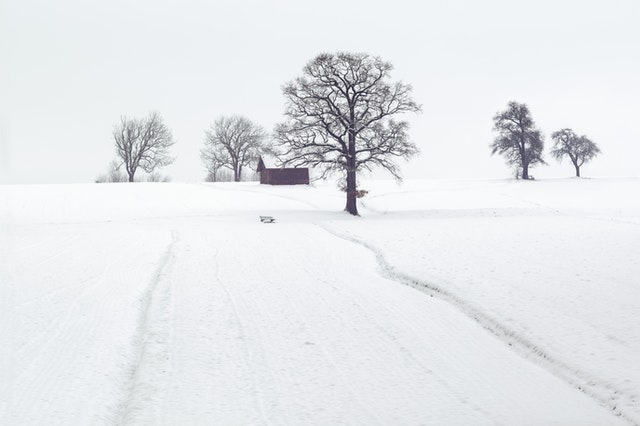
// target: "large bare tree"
[[579, 149], [340, 118], [234, 143], [518, 140], [143, 143]]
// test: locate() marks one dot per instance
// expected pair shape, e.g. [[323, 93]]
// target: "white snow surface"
[[464, 302]]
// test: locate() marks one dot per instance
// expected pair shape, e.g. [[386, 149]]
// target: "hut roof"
[[267, 161]]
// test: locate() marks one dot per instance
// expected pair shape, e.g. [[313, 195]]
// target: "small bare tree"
[[143, 144], [519, 141], [234, 143], [214, 159], [339, 118], [113, 174], [579, 149]]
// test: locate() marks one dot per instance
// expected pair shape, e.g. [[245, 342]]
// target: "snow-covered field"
[[464, 302]]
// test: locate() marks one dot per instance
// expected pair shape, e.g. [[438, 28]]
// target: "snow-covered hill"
[[446, 303]]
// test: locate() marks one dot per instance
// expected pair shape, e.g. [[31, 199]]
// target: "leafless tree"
[[234, 143], [214, 159], [143, 144], [579, 149], [115, 175], [339, 118], [518, 140]]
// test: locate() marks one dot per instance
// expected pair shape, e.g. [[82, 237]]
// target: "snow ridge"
[[604, 393], [153, 333]]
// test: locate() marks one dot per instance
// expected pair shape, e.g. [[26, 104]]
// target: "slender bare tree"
[[143, 144], [114, 174], [340, 118], [518, 140], [234, 143], [579, 149], [213, 160]]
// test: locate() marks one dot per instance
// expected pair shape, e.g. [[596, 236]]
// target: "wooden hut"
[[282, 176]]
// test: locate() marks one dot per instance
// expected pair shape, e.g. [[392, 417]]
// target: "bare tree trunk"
[[577, 169], [351, 206], [236, 171], [352, 184], [524, 160], [131, 177]]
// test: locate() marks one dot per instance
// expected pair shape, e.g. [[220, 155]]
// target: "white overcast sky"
[[70, 68]]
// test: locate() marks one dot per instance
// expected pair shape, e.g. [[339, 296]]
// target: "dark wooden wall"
[[297, 176]]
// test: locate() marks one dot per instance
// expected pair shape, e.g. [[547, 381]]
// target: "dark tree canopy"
[[518, 140], [579, 149], [143, 144], [234, 143], [340, 118]]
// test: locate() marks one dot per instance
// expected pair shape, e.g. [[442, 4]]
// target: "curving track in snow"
[[606, 394]]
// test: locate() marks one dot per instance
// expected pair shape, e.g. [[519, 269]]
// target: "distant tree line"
[[522, 143], [114, 174], [340, 118]]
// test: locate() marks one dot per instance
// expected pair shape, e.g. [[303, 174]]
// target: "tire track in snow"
[[150, 344], [61, 327], [606, 394], [249, 358]]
